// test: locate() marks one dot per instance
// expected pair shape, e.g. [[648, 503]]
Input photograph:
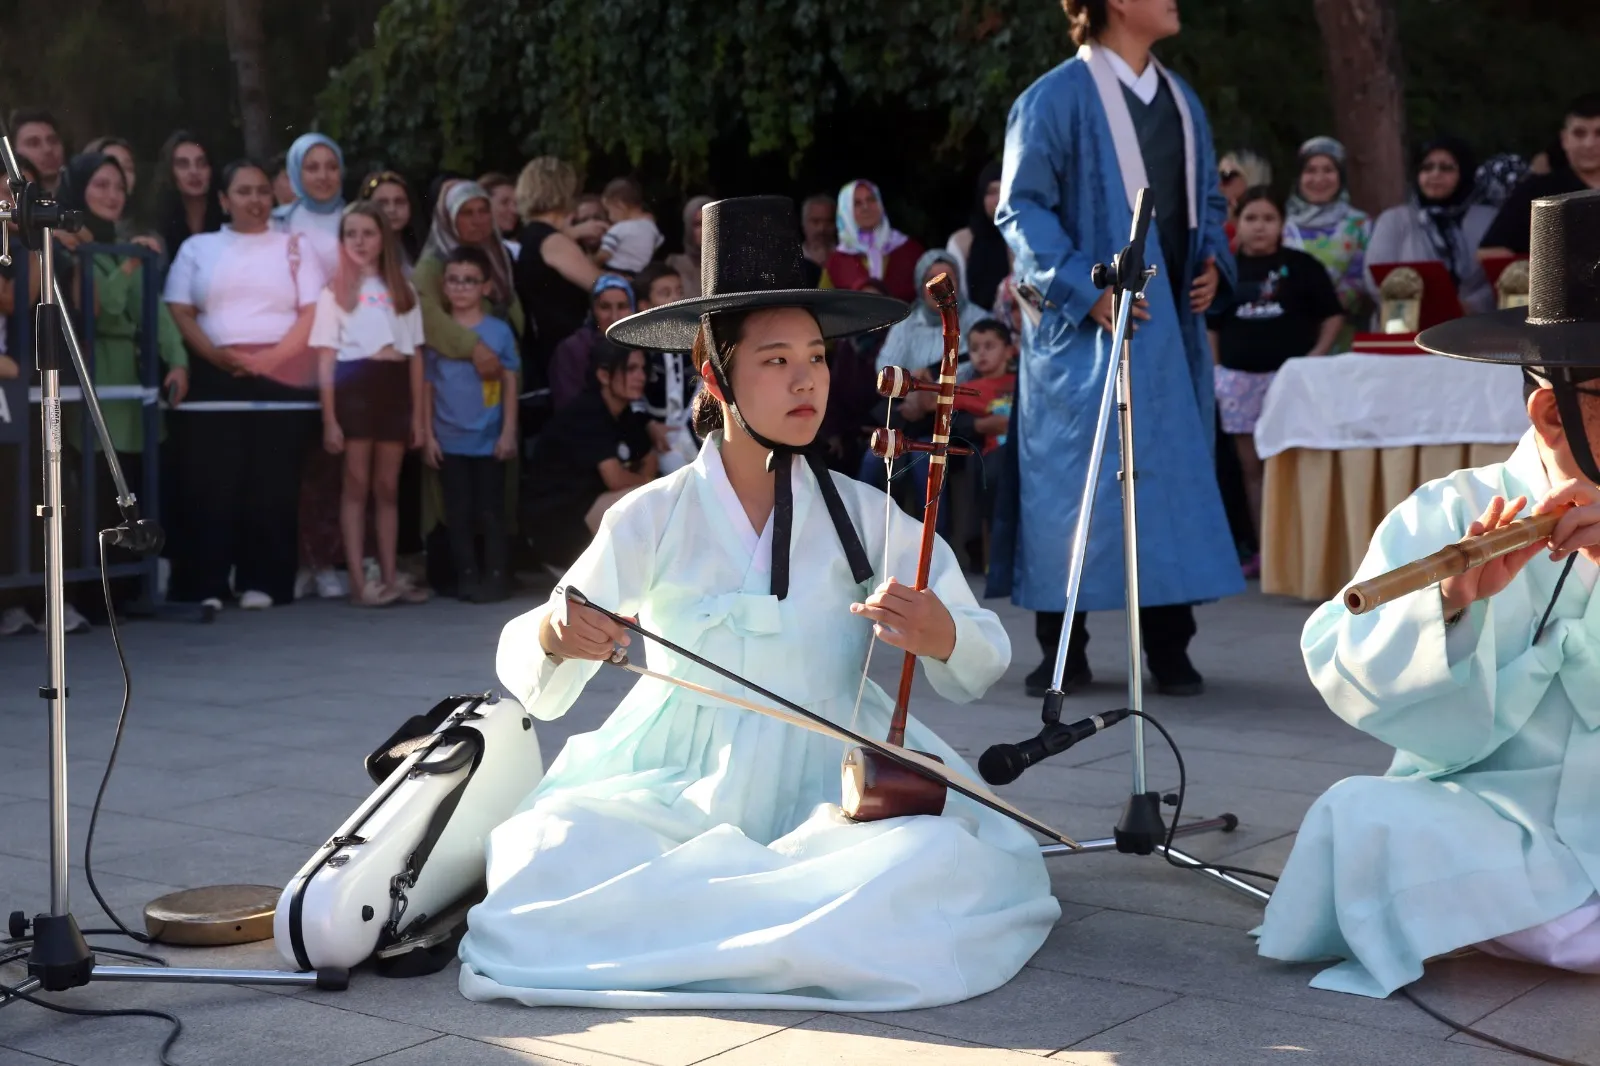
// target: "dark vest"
[[1159, 126]]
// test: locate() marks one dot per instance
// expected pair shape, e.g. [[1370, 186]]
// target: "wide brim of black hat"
[[839, 312], [1507, 337]]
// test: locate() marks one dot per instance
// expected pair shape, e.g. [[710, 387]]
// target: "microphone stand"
[[1141, 830], [60, 959]]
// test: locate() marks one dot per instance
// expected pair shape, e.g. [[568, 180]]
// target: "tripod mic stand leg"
[[1222, 877]]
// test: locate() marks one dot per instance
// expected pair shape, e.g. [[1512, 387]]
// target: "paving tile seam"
[[1497, 1009], [189, 825], [1254, 1003], [35, 1054], [757, 1039], [409, 1047], [1177, 997], [1147, 914]]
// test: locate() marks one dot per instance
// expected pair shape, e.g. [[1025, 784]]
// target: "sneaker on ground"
[[72, 621], [330, 586], [255, 601], [212, 602], [305, 583], [14, 620]]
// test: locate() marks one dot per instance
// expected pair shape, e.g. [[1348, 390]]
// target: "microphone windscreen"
[[1000, 764]]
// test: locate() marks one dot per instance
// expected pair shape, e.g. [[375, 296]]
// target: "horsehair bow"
[[794, 714]]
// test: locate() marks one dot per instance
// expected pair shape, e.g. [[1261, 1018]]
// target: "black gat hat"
[[750, 259]]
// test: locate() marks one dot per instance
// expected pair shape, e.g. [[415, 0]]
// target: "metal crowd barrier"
[[21, 433]]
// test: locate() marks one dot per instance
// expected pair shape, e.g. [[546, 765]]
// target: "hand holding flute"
[[1497, 546]]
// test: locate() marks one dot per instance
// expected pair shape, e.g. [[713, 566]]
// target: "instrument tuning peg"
[[896, 382], [892, 444]]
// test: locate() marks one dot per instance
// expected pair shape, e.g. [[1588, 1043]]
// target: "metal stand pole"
[[60, 959], [1142, 829]]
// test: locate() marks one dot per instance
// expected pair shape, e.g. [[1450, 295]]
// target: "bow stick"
[[794, 714]]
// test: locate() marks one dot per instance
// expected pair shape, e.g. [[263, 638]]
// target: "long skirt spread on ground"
[[689, 854]]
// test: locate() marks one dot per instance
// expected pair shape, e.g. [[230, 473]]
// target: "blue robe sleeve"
[[1038, 157], [612, 572], [1398, 673], [1214, 213]]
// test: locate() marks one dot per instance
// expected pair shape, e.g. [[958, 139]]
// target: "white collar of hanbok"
[[759, 546], [1130, 160], [1526, 465], [1144, 86]]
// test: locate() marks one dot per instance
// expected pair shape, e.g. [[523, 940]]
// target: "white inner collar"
[[758, 546], [1144, 86]]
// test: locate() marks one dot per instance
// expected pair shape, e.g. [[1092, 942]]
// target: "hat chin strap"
[[1565, 385], [778, 456]]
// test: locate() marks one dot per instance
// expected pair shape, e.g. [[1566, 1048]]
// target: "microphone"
[[138, 535], [1004, 763]]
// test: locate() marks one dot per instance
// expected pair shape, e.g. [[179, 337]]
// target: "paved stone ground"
[[244, 751]]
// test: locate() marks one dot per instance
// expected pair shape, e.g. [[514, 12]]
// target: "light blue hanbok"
[[690, 854], [1484, 828]]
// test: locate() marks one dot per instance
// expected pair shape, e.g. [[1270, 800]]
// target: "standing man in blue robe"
[[1080, 143]]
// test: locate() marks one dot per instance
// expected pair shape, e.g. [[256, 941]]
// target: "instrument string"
[[888, 518]]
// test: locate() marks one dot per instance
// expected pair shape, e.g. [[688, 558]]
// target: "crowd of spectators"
[[398, 395]]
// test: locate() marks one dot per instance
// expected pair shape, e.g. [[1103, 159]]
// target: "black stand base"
[[60, 959], [1141, 826]]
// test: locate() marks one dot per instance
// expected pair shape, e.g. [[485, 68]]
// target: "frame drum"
[[213, 916]]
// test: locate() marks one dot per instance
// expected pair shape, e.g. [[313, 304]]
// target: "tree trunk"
[[1362, 42], [247, 49]]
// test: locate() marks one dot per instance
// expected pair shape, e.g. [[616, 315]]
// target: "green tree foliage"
[[674, 87]]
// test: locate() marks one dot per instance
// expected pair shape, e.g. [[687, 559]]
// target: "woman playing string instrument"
[[693, 854]]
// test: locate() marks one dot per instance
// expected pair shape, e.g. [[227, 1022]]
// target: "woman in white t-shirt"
[[368, 336], [244, 305]]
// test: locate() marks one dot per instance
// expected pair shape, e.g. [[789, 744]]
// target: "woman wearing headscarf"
[[610, 301], [687, 262], [315, 166], [1323, 223], [869, 247], [1441, 222], [97, 189], [917, 340], [315, 169], [462, 216], [186, 195], [981, 253]]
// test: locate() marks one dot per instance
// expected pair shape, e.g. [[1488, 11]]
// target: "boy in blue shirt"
[[471, 432]]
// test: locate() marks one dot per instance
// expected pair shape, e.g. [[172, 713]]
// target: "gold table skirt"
[[1319, 509]]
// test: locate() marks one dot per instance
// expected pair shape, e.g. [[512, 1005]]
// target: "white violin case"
[[396, 879]]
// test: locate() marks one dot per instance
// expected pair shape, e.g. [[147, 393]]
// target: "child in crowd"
[[367, 333], [633, 238], [470, 431], [1284, 306], [671, 379], [592, 453], [993, 352]]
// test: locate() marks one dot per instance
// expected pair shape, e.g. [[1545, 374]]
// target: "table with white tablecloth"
[[1346, 438]]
